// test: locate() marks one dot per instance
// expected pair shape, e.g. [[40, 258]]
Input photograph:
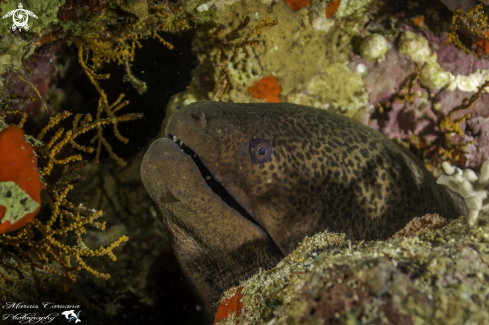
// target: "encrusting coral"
[[374, 47], [229, 49], [431, 74], [473, 188], [429, 274]]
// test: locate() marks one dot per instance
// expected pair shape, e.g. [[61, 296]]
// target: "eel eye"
[[260, 150]]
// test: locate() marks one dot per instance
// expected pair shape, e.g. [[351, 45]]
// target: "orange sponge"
[[418, 20], [297, 4], [230, 305], [482, 45], [18, 164], [332, 8], [267, 88]]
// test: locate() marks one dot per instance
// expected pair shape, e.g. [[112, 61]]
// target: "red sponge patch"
[[267, 88], [229, 306], [18, 164], [297, 4]]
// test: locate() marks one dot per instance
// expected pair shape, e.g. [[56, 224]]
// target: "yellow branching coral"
[[105, 51], [475, 20], [444, 148], [405, 94], [120, 47], [39, 244], [14, 112], [173, 18], [139, 85], [447, 125], [43, 103], [451, 151], [53, 147], [108, 109]]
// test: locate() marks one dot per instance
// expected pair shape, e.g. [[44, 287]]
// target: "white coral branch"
[[473, 188]]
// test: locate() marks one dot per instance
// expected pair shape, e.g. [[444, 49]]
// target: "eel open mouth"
[[213, 184]]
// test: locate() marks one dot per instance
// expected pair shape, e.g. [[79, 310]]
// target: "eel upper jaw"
[[212, 181]]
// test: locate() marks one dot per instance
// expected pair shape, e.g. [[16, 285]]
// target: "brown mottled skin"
[[326, 172]]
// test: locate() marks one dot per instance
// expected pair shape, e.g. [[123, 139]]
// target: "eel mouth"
[[213, 184]]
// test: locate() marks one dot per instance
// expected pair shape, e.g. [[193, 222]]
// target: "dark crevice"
[[166, 73]]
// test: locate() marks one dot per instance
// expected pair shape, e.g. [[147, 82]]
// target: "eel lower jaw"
[[214, 183]]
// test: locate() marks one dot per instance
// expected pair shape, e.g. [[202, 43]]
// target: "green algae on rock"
[[17, 202], [138, 8], [439, 277], [12, 51]]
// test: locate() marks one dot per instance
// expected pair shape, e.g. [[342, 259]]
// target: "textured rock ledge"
[[438, 276]]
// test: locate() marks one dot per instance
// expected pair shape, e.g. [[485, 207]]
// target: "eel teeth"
[[178, 141]]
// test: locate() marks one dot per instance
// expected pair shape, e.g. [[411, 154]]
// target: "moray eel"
[[238, 186]]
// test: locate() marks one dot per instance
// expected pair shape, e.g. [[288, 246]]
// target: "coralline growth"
[[473, 188], [330, 279], [225, 46]]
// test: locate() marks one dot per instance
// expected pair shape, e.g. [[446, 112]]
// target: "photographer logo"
[[20, 17], [70, 315], [45, 313]]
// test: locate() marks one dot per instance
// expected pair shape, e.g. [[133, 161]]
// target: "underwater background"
[[93, 83]]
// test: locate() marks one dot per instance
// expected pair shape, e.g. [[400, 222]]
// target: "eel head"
[[199, 179]]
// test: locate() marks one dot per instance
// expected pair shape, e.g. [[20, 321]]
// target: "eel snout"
[[161, 173]]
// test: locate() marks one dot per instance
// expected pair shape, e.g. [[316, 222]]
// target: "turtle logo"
[[20, 17]]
